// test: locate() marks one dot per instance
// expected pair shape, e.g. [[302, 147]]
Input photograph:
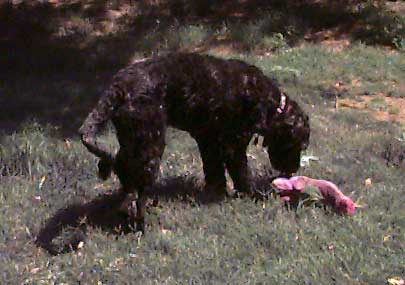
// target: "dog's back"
[[199, 91]]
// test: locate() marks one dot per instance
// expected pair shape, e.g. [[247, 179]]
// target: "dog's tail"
[[97, 120]]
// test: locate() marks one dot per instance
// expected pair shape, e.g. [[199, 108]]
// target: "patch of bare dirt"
[[336, 45], [380, 107], [396, 6], [221, 46], [336, 39]]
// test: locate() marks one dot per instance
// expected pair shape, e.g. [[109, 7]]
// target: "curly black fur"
[[221, 103]]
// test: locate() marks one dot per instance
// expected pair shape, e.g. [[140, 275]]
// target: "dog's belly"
[[193, 122], [201, 123]]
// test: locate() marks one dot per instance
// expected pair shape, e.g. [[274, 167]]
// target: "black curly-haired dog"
[[221, 103]]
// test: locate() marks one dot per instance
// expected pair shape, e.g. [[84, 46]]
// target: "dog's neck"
[[270, 111], [283, 103]]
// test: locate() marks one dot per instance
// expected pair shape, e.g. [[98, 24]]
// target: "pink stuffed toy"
[[292, 188]]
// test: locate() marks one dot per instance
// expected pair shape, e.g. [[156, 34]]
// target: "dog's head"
[[287, 136]]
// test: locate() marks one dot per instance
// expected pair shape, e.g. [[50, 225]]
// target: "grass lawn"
[[49, 189], [46, 182]]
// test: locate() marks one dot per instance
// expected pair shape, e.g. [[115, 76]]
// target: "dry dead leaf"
[[68, 144], [357, 205], [356, 82], [339, 83], [41, 182], [99, 186], [396, 281], [35, 270], [166, 232]]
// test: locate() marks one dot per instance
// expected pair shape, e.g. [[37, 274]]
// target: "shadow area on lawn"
[[55, 59], [106, 212]]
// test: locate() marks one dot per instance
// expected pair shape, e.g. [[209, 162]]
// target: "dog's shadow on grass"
[[106, 212]]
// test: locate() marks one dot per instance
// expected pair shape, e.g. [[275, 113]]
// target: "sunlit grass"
[[238, 240]]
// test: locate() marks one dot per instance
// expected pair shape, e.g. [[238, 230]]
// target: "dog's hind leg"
[[142, 142]]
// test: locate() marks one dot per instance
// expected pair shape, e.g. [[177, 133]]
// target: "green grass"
[[313, 69], [236, 241]]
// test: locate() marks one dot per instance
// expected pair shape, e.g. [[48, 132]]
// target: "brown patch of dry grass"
[[388, 109]]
